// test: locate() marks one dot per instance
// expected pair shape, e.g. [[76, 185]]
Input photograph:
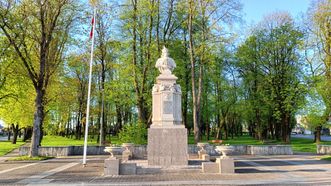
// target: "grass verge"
[[306, 145], [64, 141], [240, 140], [298, 144], [7, 146], [328, 158], [27, 158]]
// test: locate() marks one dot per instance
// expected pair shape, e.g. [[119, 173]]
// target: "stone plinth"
[[226, 165], [167, 146], [112, 166], [210, 167], [128, 169], [205, 157]]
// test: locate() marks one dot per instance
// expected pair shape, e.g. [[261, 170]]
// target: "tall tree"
[[318, 53], [38, 32], [272, 55], [205, 20]]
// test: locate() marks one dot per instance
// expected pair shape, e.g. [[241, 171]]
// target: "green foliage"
[[133, 133], [269, 63], [306, 145], [63, 141], [327, 158]]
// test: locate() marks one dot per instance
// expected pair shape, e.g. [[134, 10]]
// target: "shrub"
[[133, 133]]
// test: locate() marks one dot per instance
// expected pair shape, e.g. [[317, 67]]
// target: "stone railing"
[[323, 149], [140, 151], [65, 150], [248, 150]]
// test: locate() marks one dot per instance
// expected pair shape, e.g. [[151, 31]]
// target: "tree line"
[[230, 83]]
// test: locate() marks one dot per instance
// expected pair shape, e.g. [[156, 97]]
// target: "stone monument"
[[167, 136]]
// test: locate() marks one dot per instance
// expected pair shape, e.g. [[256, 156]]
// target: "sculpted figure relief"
[[165, 64]]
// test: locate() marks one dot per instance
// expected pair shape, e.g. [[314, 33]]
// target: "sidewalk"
[[250, 170], [13, 153]]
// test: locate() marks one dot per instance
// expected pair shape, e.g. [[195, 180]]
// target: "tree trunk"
[[194, 96], [78, 124], [38, 119], [9, 135], [286, 128], [317, 134], [15, 130], [119, 119], [27, 133], [102, 115]]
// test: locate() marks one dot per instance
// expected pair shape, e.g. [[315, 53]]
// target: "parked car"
[[298, 130]]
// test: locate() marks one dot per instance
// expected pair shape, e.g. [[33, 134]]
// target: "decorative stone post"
[[167, 136]]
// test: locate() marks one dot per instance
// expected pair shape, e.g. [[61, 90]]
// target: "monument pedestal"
[[167, 146], [167, 136]]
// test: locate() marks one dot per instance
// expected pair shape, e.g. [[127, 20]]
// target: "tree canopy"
[[231, 83]]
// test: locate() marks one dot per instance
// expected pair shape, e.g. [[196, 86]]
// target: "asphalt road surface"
[[323, 138], [3, 138]]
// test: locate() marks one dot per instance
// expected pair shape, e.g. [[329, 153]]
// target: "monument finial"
[[165, 52]]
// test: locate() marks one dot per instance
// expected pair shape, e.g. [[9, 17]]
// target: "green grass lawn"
[[306, 145], [63, 141], [7, 146], [328, 158], [298, 144], [241, 140]]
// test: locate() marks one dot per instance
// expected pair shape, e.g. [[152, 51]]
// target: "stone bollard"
[[127, 153], [202, 150], [112, 166]]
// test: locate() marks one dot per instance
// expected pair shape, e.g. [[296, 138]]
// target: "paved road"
[[324, 138], [250, 170], [3, 138]]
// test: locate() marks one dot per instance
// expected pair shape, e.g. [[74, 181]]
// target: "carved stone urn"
[[127, 154], [112, 150], [225, 150], [202, 150]]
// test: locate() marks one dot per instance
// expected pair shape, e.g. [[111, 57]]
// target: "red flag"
[[91, 33]]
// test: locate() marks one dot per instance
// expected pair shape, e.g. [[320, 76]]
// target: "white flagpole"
[[89, 89]]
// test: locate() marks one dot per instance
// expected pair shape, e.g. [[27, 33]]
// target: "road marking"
[[39, 177], [262, 167], [8, 170]]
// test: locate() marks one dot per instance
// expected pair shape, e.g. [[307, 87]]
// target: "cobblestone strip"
[[38, 179], [20, 167]]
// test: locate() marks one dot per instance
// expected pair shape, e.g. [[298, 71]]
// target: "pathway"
[[275, 170], [5, 157]]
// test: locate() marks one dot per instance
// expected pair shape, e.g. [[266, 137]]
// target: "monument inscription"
[[167, 107]]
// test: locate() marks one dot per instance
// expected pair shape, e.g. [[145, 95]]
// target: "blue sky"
[[255, 10]]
